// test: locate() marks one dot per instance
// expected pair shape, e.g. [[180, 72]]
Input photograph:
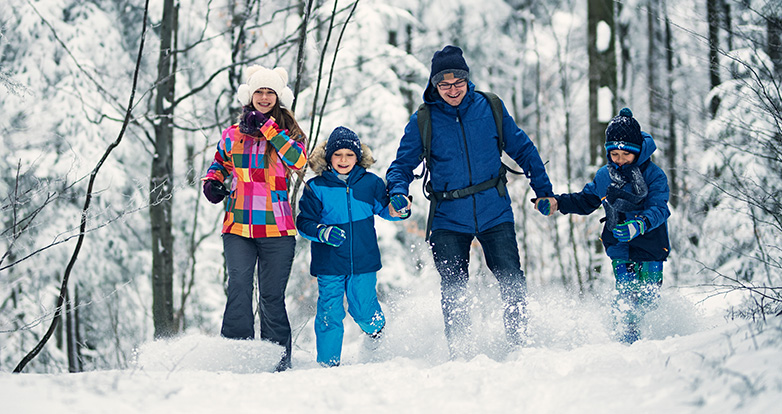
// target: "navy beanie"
[[449, 64], [624, 133], [341, 138]]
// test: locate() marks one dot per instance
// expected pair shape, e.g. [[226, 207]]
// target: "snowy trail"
[[712, 366]]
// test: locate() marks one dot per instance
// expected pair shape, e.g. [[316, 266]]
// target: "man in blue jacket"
[[465, 155]]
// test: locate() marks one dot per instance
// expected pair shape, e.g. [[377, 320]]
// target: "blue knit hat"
[[448, 64], [340, 138], [624, 133]]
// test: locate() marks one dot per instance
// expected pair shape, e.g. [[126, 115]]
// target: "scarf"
[[618, 200]]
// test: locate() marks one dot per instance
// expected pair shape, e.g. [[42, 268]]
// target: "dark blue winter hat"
[[449, 64], [624, 133], [340, 138]]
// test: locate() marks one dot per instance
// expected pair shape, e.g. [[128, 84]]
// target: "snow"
[[605, 104], [603, 38], [693, 360]]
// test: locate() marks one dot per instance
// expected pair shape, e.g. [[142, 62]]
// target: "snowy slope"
[[694, 361]]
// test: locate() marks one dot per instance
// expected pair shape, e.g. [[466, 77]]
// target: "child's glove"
[[400, 203], [545, 206], [215, 191], [331, 235], [629, 230]]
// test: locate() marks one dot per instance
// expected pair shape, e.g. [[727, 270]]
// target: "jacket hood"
[[318, 163], [647, 149]]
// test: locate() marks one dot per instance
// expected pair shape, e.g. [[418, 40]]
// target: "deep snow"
[[693, 360]]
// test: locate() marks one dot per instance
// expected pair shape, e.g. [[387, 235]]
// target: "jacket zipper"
[[469, 169], [350, 224]]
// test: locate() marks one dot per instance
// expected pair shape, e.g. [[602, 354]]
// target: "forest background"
[[112, 109]]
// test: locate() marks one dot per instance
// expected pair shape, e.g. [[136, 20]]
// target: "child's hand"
[[399, 206], [629, 230], [331, 235], [546, 205]]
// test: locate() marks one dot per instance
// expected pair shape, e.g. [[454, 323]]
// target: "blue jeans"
[[363, 306], [273, 257], [451, 252]]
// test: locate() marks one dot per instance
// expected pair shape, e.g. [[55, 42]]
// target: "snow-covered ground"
[[693, 360]]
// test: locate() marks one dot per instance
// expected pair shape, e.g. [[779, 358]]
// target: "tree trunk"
[[713, 16], [602, 73], [672, 147], [72, 334], [161, 183], [654, 59], [774, 42]]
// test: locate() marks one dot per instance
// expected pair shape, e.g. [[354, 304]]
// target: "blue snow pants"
[[273, 257], [363, 306], [638, 288]]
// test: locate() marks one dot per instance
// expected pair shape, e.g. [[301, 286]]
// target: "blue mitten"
[[400, 203], [544, 206], [331, 235], [629, 230]]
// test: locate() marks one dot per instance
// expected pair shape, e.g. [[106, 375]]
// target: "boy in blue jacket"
[[336, 213], [634, 192]]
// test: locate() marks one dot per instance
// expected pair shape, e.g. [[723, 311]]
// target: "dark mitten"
[[252, 121], [215, 191]]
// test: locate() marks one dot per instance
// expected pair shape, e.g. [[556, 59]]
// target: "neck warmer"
[[620, 201]]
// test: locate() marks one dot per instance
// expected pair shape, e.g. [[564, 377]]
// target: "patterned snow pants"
[[638, 288]]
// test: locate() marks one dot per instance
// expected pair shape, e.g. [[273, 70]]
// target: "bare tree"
[[87, 200]]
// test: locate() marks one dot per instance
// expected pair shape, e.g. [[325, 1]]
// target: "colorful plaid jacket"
[[258, 204]]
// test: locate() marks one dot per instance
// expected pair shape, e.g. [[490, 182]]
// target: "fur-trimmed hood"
[[318, 163]]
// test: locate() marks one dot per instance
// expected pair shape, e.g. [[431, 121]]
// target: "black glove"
[[215, 191]]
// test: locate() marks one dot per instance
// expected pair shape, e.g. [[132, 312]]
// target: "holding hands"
[[546, 205], [331, 235], [399, 206]]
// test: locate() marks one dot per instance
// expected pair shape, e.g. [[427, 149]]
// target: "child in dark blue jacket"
[[336, 213], [634, 192]]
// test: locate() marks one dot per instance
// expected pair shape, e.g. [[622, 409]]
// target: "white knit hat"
[[260, 77]]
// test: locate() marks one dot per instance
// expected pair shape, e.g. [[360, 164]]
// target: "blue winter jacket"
[[350, 206], [465, 152], [653, 245]]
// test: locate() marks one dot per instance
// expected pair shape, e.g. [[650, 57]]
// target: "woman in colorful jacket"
[[258, 230], [337, 214]]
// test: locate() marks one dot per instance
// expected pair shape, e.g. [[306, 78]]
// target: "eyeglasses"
[[443, 86]]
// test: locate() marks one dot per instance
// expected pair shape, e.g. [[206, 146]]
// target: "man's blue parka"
[[465, 152]]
